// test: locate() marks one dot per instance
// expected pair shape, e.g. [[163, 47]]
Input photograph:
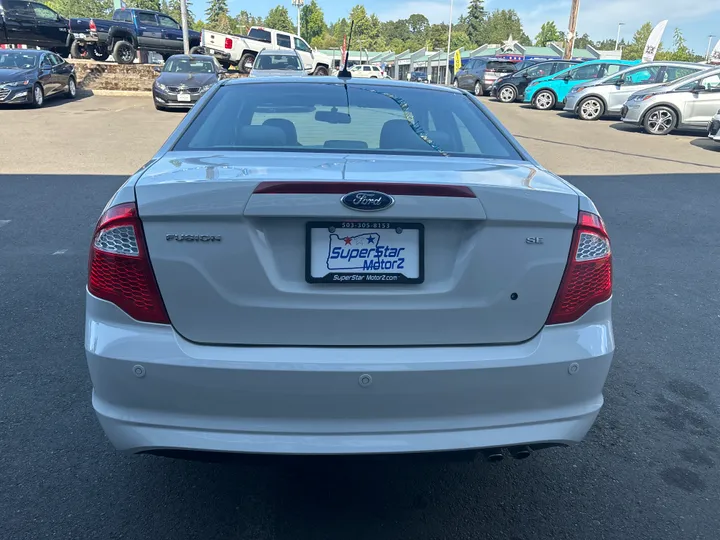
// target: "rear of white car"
[[281, 296], [714, 128]]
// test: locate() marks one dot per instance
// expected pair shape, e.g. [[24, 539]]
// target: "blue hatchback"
[[546, 92]]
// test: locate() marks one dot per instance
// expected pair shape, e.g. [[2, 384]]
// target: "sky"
[[599, 18]]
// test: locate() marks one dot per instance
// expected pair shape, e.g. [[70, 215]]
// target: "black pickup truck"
[[34, 25], [129, 30]]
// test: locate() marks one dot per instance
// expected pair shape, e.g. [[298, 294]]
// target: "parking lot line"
[[60, 252]]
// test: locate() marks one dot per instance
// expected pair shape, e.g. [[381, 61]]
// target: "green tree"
[[215, 11], [312, 21], [681, 52], [501, 24], [366, 32], [548, 33], [278, 18], [153, 5], [582, 42], [244, 20], [172, 8], [438, 34], [634, 50], [475, 21], [418, 24], [82, 8], [608, 44]]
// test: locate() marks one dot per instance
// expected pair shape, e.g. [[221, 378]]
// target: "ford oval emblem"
[[367, 201]]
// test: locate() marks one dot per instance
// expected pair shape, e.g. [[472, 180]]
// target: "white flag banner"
[[653, 42], [715, 54]]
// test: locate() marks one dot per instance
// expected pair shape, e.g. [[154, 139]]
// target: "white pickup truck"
[[241, 51]]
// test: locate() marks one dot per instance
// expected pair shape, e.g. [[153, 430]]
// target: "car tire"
[[455, 83], [78, 52], [71, 92], [99, 54], [124, 52], [478, 89], [321, 71], [38, 96], [544, 100], [591, 108], [247, 59], [660, 120], [507, 94]]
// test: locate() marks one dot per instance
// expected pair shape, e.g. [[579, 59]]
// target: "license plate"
[[79, 36], [184, 97], [364, 252]]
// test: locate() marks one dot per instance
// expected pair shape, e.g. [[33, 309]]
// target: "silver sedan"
[[343, 266]]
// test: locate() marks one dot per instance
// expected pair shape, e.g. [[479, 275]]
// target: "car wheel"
[[455, 83], [246, 63], [591, 108], [71, 89], [124, 52], [38, 96], [544, 100], [507, 94], [321, 71], [98, 53], [78, 52], [478, 88], [660, 121]]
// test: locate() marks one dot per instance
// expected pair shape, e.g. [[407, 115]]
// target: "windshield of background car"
[[330, 117], [185, 65], [542, 70], [278, 61], [688, 83], [17, 60]]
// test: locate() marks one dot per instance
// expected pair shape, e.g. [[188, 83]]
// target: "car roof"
[[192, 56], [384, 83], [25, 51], [284, 52]]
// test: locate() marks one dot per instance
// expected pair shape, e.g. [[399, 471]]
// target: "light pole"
[[184, 24], [707, 55], [617, 39], [299, 4], [447, 60]]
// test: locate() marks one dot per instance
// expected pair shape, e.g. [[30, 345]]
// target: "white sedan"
[[366, 71], [327, 266]]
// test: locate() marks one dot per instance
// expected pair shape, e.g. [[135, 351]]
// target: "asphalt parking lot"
[[649, 469]]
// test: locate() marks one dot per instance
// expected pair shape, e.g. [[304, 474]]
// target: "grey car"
[[689, 102], [278, 63], [477, 75], [347, 266], [593, 100]]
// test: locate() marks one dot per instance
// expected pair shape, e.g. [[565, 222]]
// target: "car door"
[[465, 76], [61, 72], [561, 66], [702, 101], [305, 52], [530, 74], [171, 34], [581, 74], [149, 32], [627, 82], [46, 77], [20, 23], [51, 27]]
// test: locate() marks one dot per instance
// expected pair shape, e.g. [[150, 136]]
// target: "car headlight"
[[206, 88], [16, 84], [534, 83], [161, 86], [577, 89]]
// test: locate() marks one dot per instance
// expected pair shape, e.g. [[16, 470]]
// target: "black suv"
[[512, 87], [478, 74]]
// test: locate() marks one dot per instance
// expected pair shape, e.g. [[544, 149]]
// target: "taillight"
[[119, 268], [587, 280], [93, 26], [228, 43]]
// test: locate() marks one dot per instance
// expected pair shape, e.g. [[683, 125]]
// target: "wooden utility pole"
[[572, 29]]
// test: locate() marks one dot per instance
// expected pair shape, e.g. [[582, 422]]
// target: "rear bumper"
[[714, 130], [155, 391]]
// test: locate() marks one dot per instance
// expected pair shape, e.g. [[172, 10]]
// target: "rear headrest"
[[261, 136], [398, 135]]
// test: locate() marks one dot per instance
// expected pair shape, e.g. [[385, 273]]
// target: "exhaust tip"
[[520, 452], [493, 455]]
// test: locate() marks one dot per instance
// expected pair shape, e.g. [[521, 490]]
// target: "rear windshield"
[[277, 61], [359, 118], [502, 67], [261, 35]]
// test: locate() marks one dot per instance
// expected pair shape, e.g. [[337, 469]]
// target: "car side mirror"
[[621, 81], [157, 69], [525, 76], [567, 78], [698, 88]]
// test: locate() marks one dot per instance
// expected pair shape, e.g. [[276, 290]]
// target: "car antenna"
[[344, 72]]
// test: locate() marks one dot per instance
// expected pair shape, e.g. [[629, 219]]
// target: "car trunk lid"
[[235, 258]]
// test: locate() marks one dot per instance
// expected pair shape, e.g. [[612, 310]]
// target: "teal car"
[[546, 92]]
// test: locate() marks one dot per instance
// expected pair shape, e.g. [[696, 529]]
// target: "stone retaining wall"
[[93, 75]]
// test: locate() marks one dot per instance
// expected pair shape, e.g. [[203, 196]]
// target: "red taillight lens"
[[119, 269], [228, 43], [588, 275], [93, 27]]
